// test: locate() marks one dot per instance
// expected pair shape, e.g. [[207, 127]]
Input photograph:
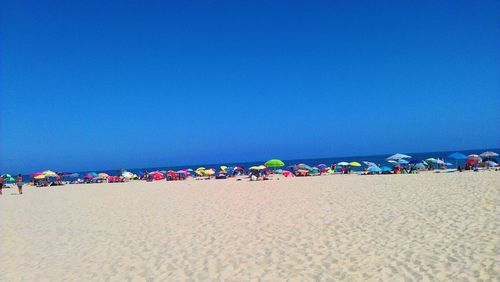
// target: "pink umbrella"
[[287, 173], [88, 176]]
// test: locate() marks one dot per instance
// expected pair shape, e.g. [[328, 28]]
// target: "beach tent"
[[274, 163], [398, 156]]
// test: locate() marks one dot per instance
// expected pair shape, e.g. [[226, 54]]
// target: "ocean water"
[[379, 159]]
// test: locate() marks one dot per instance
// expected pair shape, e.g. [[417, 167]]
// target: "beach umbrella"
[[322, 166], [103, 175], [457, 156], [488, 154], [402, 162], [287, 173], [88, 176], [36, 174], [374, 169], [314, 171], [8, 178], [223, 167], [354, 164], [304, 166], [40, 176], [474, 157], [419, 166], [398, 156], [370, 163], [274, 163], [209, 172], [385, 169], [343, 163], [74, 174], [49, 173], [431, 160]]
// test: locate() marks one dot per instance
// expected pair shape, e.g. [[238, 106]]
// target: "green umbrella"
[[8, 178], [274, 163]]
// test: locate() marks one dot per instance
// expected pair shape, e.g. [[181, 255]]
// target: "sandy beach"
[[344, 227]]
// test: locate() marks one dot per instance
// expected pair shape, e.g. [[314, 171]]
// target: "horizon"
[[478, 151], [124, 84]]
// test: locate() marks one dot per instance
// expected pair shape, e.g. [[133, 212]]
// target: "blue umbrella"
[[457, 156], [385, 169], [402, 162], [375, 169]]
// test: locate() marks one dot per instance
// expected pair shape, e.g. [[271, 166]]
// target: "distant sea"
[[379, 159]]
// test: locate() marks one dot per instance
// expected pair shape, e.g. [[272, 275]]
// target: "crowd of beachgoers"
[[396, 164]]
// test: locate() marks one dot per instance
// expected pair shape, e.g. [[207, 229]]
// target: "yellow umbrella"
[[261, 167], [41, 176], [209, 172], [49, 173], [354, 164], [200, 169], [103, 175], [254, 168], [223, 167]]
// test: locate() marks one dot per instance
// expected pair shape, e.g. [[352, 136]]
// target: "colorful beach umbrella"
[[40, 176], [103, 175], [354, 164], [49, 173], [343, 163], [274, 163]]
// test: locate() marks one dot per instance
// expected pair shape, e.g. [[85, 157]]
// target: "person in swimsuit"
[[19, 183]]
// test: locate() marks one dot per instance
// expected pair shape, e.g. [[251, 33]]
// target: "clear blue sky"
[[108, 84]]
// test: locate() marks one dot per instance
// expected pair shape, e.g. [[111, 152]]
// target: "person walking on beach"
[[19, 183], [1, 184]]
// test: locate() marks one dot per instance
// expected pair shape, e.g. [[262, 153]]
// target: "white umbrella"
[[370, 163], [398, 157], [488, 154], [474, 157], [343, 163]]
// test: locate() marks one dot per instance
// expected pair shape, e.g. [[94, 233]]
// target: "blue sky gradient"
[[90, 85]]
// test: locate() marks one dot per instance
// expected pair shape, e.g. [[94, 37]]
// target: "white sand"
[[420, 227]]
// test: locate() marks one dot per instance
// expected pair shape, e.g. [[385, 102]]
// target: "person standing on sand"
[[19, 183], [1, 185]]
